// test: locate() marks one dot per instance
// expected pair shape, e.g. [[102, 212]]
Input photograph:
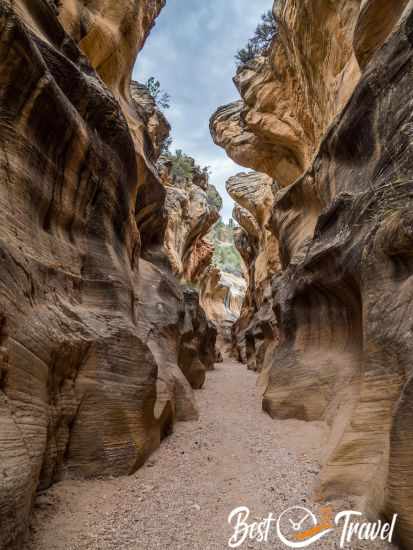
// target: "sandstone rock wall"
[[190, 216], [222, 296], [94, 328], [255, 329], [290, 97], [336, 127]]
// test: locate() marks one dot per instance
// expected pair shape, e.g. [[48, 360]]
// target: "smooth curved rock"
[[189, 219], [222, 294], [245, 147], [91, 333], [197, 344], [376, 21], [343, 290], [253, 192], [111, 37], [291, 97], [256, 329], [343, 298]]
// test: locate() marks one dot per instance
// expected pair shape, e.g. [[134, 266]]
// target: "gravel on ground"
[[235, 455]]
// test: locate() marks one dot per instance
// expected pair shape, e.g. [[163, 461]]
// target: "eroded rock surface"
[[290, 97], [342, 220], [94, 327], [222, 295], [190, 216], [256, 329]]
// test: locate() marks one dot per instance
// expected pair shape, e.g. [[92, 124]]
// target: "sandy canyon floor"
[[235, 455]]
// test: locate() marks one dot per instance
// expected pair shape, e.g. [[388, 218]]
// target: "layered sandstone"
[[157, 126], [290, 97], [222, 296], [255, 329], [190, 217], [342, 221], [111, 38], [99, 345]]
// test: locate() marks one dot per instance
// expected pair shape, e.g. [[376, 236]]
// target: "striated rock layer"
[[99, 345], [255, 329], [190, 216], [343, 223], [290, 97], [222, 296]]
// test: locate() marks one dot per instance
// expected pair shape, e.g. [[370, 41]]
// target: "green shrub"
[[183, 166], [162, 99], [260, 43]]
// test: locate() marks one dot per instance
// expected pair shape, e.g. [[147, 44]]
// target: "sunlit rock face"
[[255, 329], [190, 217], [343, 297], [156, 126], [110, 35], [94, 328], [290, 97], [222, 296], [342, 219]]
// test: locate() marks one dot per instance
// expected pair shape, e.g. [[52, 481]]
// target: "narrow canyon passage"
[[235, 455], [153, 213]]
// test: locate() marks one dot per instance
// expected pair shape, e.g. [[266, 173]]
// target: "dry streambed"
[[235, 455]]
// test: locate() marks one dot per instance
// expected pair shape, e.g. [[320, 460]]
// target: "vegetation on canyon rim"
[[261, 41], [226, 257], [162, 98]]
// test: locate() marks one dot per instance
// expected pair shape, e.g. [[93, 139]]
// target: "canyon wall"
[[255, 330], [100, 347], [190, 216], [222, 296], [191, 213], [290, 96], [191, 208], [328, 115]]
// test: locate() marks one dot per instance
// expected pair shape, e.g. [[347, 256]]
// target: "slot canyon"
[[162, 365]]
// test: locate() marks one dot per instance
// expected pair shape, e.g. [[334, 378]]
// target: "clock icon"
[[293, 521]]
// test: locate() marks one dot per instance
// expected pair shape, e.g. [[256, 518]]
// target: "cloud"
[[191, 52]]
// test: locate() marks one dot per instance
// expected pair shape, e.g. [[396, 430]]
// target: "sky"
[[191, 52]]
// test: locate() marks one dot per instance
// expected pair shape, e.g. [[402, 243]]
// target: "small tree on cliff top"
[[162, 99], [260, 43]]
